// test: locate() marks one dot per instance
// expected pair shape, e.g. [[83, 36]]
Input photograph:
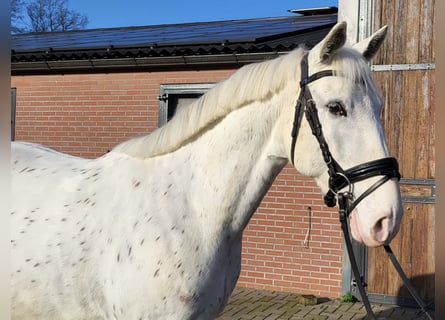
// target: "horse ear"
[[334, 40], [369, 46]]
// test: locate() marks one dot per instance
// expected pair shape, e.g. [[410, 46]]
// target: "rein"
[[339, 179]]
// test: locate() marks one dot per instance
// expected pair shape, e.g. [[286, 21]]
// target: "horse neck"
[[233, 168]]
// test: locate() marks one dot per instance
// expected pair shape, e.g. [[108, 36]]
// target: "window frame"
[[168, 90], [13, 111]]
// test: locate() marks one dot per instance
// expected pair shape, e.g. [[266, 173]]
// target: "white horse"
[[152, 230]]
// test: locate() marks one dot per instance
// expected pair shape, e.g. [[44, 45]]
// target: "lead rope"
[[344, 210], [406, 281], [343, 200]]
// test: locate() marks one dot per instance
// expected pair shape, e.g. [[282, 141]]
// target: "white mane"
[[252, 82]]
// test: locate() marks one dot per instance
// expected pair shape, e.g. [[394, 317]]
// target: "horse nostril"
[[381, 230]]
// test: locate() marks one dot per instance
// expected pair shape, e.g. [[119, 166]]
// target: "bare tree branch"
[[17, 15], [49, 16]]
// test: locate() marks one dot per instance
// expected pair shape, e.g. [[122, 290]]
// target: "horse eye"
[[337, 109]]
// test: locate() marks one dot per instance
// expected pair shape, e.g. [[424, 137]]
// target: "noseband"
[[338, 178]]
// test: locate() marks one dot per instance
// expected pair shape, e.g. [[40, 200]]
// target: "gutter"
[[140, 63]]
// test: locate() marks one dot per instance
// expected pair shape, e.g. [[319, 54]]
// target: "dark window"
[[175, 96]]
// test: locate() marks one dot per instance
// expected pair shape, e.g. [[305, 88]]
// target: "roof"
[[219, 43]]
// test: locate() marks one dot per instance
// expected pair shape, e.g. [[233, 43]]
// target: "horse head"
[[343, 130]]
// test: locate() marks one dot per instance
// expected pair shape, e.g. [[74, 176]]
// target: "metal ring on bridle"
[[349, 184]]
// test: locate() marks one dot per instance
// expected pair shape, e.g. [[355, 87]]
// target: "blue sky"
[[108, 14]]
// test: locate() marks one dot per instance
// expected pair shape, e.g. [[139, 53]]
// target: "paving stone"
[[307, 300], [249, 304]]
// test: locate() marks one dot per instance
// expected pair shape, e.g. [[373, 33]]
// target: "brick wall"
[[86, 115], [293, 242]]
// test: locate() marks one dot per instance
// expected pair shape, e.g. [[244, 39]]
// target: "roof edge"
[[215, 61]]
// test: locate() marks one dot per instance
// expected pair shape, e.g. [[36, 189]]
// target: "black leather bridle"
[[339, 178]]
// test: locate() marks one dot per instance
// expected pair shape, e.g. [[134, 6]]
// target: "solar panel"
[[220, 32]]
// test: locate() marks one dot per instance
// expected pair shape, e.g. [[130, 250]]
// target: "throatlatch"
[[339, 179]]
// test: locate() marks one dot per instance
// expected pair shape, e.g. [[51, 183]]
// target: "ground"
[[269, 305]]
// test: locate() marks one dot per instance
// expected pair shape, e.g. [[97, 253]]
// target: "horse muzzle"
[[373, 229]]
